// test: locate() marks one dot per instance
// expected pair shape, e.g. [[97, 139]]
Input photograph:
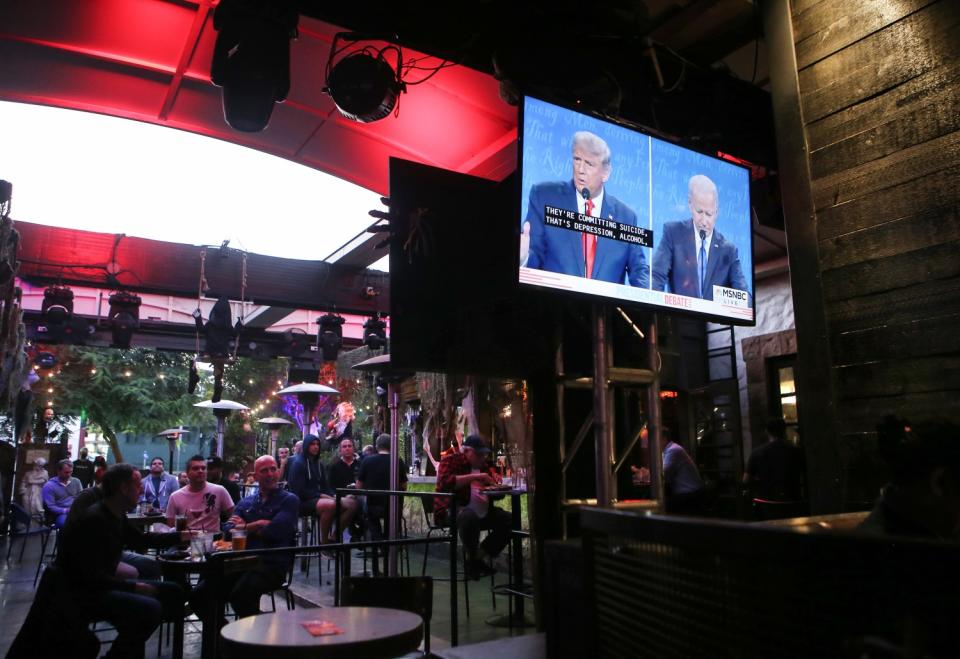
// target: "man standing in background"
[[83, 469]]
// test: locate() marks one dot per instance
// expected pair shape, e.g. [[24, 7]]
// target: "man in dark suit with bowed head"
[[582, 254], [691, 256]]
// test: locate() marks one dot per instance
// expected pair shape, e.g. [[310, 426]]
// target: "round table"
[[368, 632], [179, 570], [144, 522]]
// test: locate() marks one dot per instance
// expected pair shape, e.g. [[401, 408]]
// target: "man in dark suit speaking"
[[582, 254], [691, 256]]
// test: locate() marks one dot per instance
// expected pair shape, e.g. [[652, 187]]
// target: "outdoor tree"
[[138, 390], [254, 383]]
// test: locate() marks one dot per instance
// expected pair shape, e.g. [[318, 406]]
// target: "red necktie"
[[589, 243]]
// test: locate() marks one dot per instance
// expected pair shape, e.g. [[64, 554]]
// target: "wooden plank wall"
[[879, 86]]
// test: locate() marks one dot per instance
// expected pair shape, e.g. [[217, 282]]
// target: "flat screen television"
[[609, 211]]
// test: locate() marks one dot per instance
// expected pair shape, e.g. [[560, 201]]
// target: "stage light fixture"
[[124, 318], [330, 336], [57, 304], [293, 342], [362, 84], [251, 58], [59, 324], [375, 332]]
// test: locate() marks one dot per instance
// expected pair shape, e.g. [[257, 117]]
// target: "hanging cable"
[[201, 287], [243, 302]]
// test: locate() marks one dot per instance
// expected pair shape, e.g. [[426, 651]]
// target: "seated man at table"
[[158, 485], [269, 519], [132, 565], [307, 479], [466, 474], [216, 476], [204, 504], [58, 493], [90, 551]]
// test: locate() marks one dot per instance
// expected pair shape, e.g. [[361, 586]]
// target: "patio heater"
[[221, 410], [381, 365], [308, 394], [274, 423], [172, 435]]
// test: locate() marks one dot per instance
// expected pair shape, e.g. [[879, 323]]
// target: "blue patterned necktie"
[[702, 261]]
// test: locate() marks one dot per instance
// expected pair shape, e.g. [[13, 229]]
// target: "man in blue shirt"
[[269, 519], [59, 493], [158, 486]]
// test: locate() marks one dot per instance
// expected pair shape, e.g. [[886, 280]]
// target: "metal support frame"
[[394, 505], [654, 424], [602, 406], [601, 419]]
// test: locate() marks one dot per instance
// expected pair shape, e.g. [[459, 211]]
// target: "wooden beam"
[[72, 256], [815, 384]]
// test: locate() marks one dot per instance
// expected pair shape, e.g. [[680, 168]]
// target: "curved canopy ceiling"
[[149, 60]]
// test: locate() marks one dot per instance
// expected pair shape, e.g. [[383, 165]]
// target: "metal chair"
[[462, 575], [413, 594], [19, 516]]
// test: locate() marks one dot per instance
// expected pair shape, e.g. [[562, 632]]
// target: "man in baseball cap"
[[466, 474]]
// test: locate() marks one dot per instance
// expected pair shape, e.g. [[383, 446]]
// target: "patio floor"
[[16, 595]]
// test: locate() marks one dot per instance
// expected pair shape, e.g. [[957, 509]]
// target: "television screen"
[[609, 211]]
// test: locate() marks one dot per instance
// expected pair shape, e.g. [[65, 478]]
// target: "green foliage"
[[137, 390], [253, 383]]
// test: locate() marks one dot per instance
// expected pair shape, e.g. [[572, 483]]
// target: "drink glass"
[[239, 539], [521, 479], [181, 523], [196, 547], [208, 546]]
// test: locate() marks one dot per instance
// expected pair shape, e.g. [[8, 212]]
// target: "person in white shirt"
[[204, 504]]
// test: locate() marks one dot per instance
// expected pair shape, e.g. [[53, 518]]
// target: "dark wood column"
[[867, 103]]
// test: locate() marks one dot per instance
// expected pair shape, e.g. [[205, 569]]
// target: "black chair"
[[462, 575], [413, 594], [20, 517], [432, 528], [287, 593]]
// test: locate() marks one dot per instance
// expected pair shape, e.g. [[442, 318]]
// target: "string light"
[[50, 390], [93, 371], [162, 376], [250, 381], [127, 373]]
